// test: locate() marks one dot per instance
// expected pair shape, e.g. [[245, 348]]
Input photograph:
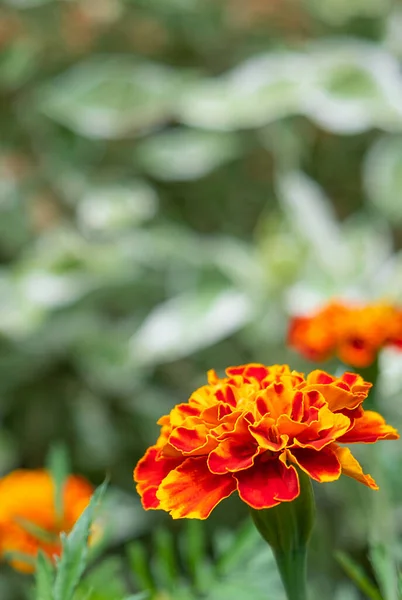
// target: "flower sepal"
[[287, 529]]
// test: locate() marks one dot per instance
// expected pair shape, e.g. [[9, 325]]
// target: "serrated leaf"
[[44, 578], [104, 581], [72, 563]]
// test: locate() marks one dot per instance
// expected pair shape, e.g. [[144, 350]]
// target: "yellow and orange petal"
[[353, 333], [27, 497], [250, 432]]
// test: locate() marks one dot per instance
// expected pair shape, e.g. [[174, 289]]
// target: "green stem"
[[287, 529], [293, 570]]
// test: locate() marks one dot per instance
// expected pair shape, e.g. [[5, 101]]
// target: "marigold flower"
[[28, 518], [354, 333], [248, 432]]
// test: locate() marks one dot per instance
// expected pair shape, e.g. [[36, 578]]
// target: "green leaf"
[[104, 581], [25, 4], [358, 576], [44, 578], [382, 173], [116, 208], [338, 12], [73, 560], [20, 556], [112, 97], [186, 154], [353, 87], [243, 544], [166, 566], [36, 531], [17, 63], [385, 569], [259, 91], [400, 584], [349, 81], [139, 563], [194, 555], [58, 463], [188, 323], [312, 217]]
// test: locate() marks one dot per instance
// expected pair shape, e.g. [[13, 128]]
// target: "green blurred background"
[[177, 177]]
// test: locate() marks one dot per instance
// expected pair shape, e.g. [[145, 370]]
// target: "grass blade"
[[358, 576]]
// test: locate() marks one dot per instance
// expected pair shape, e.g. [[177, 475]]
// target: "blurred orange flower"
[[248, 431], [28, 516], [354, 333]]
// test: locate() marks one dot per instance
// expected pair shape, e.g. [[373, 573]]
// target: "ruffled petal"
[[336, 398], [345, 392], [318, 433], [268, 483], [322, 466], [255, 370], [351, 467], [227, 394], [275, 400], [192, 491], [192, 441], [233, 455], [148, 498], [268, 435], [149, 473], [370, 428], [181, 412]]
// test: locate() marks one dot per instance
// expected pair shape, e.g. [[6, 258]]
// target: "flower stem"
[[293, 570], [287, 528]]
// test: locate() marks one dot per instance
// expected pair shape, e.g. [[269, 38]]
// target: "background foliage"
[[177, 177]]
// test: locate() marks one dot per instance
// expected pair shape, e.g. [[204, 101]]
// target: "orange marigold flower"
[[248, 431], [354, 333], [28, 517]]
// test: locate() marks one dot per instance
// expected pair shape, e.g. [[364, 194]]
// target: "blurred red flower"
[[353, 333]]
